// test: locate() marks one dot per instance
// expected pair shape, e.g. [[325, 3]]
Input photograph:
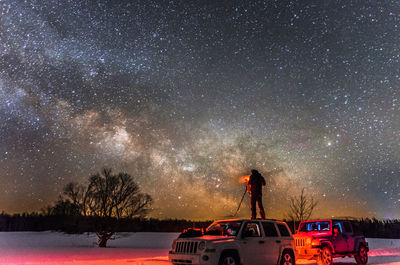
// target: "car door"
[[349, 234], [271, 243], [339, 240], [252, 243]]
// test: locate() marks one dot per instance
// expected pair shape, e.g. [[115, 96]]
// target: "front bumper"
[[307, 253], [192, 259]]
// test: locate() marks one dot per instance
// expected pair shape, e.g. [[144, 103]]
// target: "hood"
[[216, 239], [312, 234], [213, 239]]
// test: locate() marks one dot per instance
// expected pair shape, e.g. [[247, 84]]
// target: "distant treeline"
[[372, 228], [81, 224]]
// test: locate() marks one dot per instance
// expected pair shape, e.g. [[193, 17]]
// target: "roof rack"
[[265, 219], [248, 219]]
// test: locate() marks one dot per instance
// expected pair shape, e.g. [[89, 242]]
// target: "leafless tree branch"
[[109, 197]]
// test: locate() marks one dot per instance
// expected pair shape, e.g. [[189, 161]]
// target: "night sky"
[[187, 96]]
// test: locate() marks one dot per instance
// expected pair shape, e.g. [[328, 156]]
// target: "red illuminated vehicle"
[[324, 240]]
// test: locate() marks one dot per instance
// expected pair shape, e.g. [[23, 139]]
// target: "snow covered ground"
[[44, 248]]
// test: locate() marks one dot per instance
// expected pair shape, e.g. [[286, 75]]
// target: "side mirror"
[[335, 232]]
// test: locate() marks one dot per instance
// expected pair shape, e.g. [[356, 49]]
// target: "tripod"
[[245, 190]]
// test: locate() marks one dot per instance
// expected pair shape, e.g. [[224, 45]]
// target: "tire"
[[326, 257], [362, 255], [287, 258], [229, 259]]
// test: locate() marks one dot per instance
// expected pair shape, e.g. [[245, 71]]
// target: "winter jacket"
[[255, 184]]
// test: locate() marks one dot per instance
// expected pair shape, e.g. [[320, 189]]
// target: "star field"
[[187, 96]]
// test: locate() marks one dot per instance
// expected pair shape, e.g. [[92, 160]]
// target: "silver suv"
[[235, 242]]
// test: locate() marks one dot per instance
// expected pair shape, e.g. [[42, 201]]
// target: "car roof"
[[241, 220], [317, 220]]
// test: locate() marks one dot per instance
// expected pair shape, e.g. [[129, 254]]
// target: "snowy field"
[[46, 248]]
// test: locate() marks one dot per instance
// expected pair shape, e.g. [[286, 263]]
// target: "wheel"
[[229, 259], [362, 255], [326, 256], [287, 258]]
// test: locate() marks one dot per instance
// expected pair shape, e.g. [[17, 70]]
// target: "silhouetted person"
[[254, 188]]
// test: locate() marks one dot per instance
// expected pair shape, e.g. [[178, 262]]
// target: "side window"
[[347, 227], [269, 229], [356, 229], [338, 226], [283, 230], [252, 230]]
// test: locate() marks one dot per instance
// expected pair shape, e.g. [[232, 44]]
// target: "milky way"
[[187, 96]]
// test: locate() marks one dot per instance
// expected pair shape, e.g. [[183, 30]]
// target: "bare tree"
[[301, 208], [108, 197]]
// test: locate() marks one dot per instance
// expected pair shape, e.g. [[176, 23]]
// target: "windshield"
[[229, 228], [322, 226]]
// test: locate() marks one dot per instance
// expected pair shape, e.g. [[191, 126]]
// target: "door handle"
[[261, 242], [278, 241]]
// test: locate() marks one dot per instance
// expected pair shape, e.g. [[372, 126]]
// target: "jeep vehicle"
[[324, 240], [236, 242]]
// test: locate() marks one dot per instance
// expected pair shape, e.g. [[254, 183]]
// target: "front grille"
[[299, 242], [186, 247]]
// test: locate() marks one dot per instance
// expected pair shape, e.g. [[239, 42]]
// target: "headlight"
[[173, 245], [315, 243], [308, 241], [202, 246]]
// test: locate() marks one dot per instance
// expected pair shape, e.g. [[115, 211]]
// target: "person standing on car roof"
[[254, 187]]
